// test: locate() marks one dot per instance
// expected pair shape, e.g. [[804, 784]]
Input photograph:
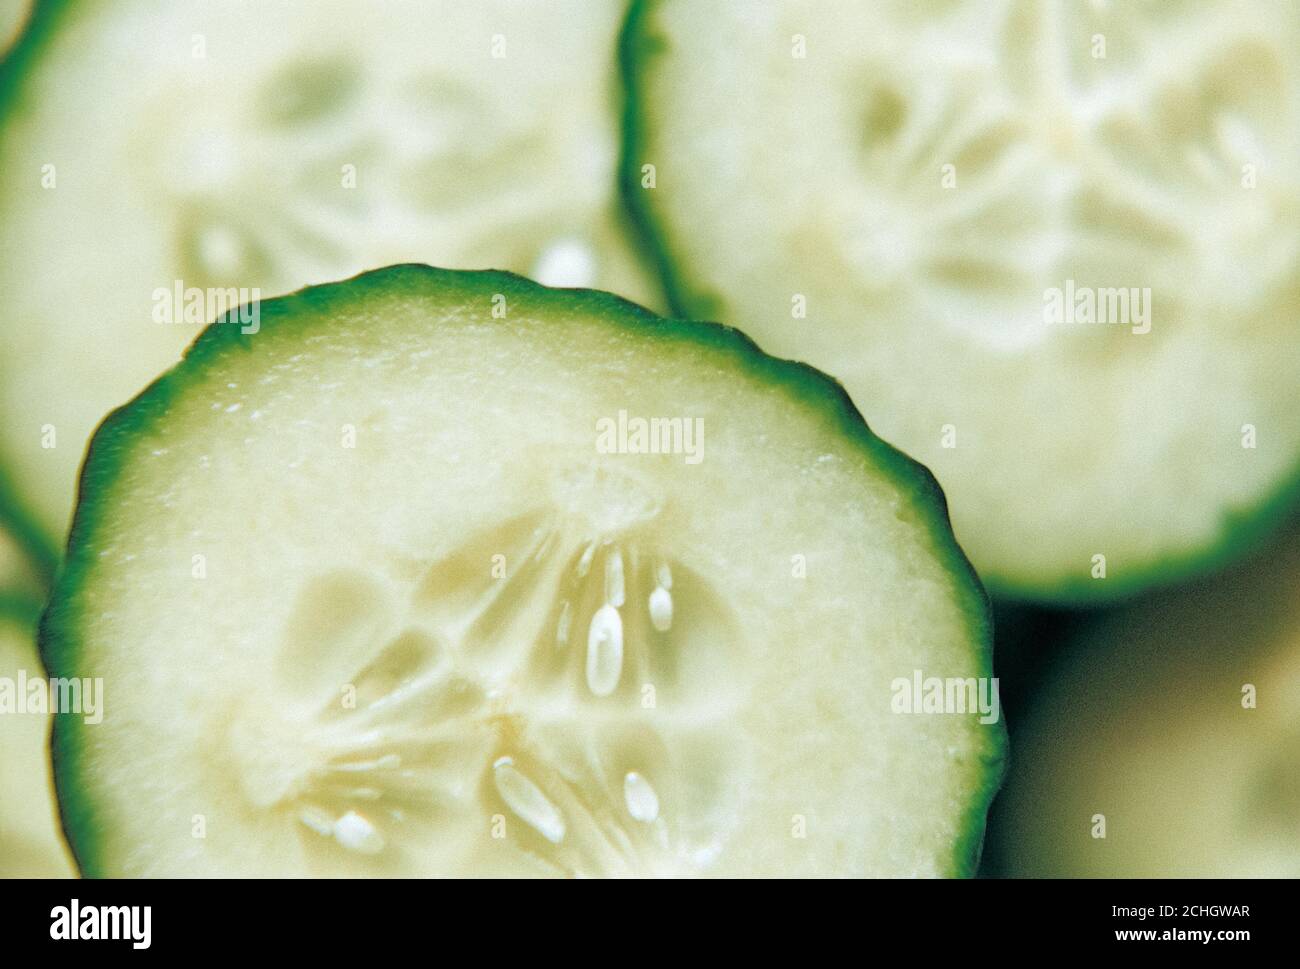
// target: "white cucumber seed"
[[604, 651], [566, 263], [661, 609], [615, 593], [526, 800], [642, 801], [357, 834]]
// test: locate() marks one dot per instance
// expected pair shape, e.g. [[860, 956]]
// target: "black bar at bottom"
[[442, 918]]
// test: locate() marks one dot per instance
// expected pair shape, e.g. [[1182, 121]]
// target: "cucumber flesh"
[[31, 844], [1144, 721], [370, 597], [891, 190], [270, 145]]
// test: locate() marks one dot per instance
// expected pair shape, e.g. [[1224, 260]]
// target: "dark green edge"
[[41, 553], [636, 46], [111, 445], [1240, 533], [15, 516], [23, 613], [16, 519]]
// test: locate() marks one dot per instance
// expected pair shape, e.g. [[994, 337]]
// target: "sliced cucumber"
[[271, 145], [893, 190], [369, 596], [31, 844], [1176, 723]]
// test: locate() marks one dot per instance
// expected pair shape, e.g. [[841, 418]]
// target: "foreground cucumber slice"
[[1143, 723], [31, 845], [369, 596], [892, 190], [271, 145]]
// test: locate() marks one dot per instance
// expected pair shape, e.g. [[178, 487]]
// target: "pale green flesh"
[[242, 145], [888, 191], [378, 659]]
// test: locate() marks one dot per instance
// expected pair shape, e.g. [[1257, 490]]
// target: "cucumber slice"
[[475, 642], [809, 197], [1143, 722], [31, 845], [271, 145]]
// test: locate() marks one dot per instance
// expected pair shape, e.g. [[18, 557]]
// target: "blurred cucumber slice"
[[13, 15], [892, 190], [1142, 722], [369, 597], [233, 145], [31, 844], [22, 589]]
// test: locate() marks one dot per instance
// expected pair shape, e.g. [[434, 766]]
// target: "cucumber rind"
[[41, 21], [1240, 534], [636, 46], [1243, 534], [17, 521], [58, 639], [19, 613]]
